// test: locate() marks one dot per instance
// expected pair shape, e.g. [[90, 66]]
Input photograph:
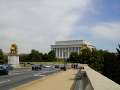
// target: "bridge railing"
[[99, 81]]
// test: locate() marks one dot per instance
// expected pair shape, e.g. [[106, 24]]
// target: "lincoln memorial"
[[64, 48]]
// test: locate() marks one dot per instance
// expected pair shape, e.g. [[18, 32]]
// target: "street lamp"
[[65, 60]]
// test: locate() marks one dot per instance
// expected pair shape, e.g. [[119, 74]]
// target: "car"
[[57, 66], [3, 70], [8, 66], [63, 68], [36, 67], [47, 66]]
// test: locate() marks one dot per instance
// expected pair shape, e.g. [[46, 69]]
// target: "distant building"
[[64, 48]]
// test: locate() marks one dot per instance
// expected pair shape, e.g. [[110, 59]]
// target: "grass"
[[28, 65], [44, 62]]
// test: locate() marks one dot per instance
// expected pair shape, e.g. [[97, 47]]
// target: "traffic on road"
[[10, 77]]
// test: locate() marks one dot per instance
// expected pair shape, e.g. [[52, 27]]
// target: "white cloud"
[[107, 31], [38, 23], [104, 35]]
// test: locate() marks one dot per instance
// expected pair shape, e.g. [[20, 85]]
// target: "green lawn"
[[28, 65]]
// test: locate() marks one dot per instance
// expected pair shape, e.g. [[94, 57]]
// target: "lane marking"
[[11, 74], [42, 74], [36, 75], [5, 81], [39, 75]]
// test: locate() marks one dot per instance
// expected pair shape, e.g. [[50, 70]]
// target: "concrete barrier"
[[100, 82]]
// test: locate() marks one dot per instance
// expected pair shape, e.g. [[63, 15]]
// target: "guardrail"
[[100, 82], [89, 79]]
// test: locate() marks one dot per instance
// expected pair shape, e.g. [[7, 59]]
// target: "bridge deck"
[[59, 81]]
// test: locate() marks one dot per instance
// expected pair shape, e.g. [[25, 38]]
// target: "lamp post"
[[65, 60]]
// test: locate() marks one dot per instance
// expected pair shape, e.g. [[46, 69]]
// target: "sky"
[[37, 24]]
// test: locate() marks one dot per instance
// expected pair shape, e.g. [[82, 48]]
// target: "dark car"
[[8, 66], [63, 68], [57, 66], [3, 70], [36, 67]]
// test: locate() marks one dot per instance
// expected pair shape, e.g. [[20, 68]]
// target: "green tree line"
[[105, 62], [33, 56], [36, 56], [3, 57]]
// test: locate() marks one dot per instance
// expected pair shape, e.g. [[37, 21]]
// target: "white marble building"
[[64, 48]]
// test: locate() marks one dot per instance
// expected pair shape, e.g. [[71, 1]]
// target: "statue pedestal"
[[13, 60]]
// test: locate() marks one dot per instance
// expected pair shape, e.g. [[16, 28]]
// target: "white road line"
[[11, 74], [42, 75], [39, 74], [35, 75], [5, 81]]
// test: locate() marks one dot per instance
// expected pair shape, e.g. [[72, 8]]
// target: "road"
[[19, 77]]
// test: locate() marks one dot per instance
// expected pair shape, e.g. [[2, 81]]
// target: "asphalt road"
[[19, 77]]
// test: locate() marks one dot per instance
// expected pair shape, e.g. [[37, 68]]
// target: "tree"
[[45, 57], [109, 64], [51, 56], [118, 51], [112, 65], [34, 56], [96, 60], [74, 57], [85, 55], [117, 66], [23, 57], [1, 56]]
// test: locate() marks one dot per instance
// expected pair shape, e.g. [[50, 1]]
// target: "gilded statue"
[[13, 49]]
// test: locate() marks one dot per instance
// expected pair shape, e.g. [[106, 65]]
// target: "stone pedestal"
[[13, 60]]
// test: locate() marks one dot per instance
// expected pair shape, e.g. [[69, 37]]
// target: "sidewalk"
[[60, 81]]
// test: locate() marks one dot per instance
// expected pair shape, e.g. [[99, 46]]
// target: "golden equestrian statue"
[[13, 49]]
